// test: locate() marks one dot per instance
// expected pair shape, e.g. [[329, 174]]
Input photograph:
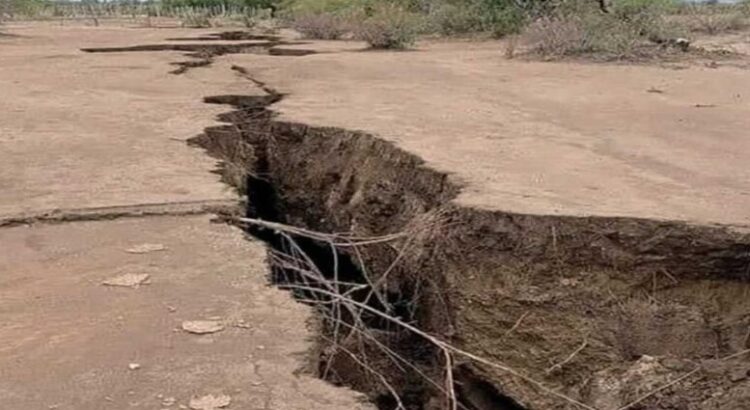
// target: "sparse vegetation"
[[550, 28], [390, 27], [498, 18], [396, 23], [191, 13], [196, 18], [715, 19], [632, 28], [323, 26]]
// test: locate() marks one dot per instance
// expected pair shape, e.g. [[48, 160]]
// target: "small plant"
[[321, 26], [389, 27]]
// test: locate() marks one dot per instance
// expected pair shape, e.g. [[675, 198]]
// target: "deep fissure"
[[345, 270], [473, 392], [266, 203], [334, 180]]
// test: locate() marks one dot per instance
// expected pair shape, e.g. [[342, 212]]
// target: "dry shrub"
[[321, 26], [577, 35], [390, 27], [634, 29], [714, 19], [553, 37]]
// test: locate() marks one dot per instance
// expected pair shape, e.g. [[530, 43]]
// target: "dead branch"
[[515, 325], [559, 366]]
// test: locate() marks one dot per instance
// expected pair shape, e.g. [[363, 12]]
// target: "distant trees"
[[9, 8], [6, 10], [259, 4]]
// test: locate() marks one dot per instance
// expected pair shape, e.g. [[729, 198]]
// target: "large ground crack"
[[599, 309], [203, 52]]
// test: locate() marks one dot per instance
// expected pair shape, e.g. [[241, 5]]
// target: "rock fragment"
[[202, 327], [128, 280]]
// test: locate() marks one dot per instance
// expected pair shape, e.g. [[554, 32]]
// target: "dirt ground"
[[86, 136], [542, 138], [81, 131], [67, 341], [85, 130]]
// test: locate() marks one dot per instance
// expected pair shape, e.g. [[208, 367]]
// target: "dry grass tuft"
[[391, 27], [322, 26]]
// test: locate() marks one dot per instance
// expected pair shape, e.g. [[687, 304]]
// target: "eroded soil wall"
[[603, 310]]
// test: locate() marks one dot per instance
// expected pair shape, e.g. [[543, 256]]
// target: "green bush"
[[498, 17], [509, 20], [195, 18], [450, 19]]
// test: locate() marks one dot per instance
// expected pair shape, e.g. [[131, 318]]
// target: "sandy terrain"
[[544, 138], [67, 341], [82, 130], [100, 135]]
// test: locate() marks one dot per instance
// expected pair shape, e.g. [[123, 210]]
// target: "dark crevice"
[[183, 66], [229, 36], [266, 202], [475, 393]]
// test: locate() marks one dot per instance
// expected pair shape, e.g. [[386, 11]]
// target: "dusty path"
[[94, 137]]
